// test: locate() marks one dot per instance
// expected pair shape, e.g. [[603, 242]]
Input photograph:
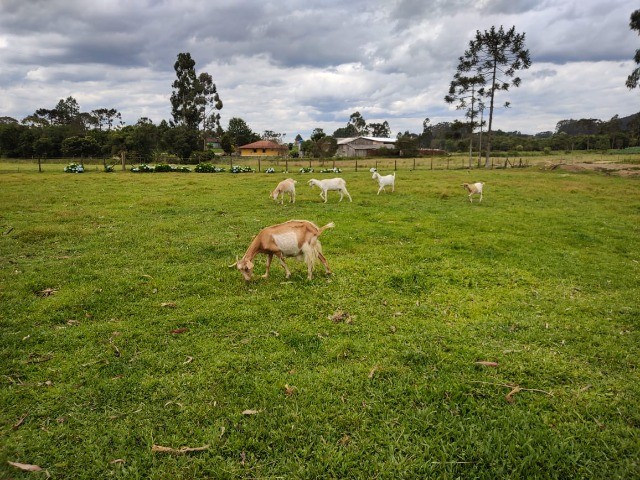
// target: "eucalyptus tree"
[[490, 64], [381, 130], [195, 98], [345, 132], [427, 134], [634, 79], [358, 123]]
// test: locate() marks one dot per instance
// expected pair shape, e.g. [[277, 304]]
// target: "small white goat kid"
[[295, 238], [330, 184], [473, 188], [285, 186], [387, 180]]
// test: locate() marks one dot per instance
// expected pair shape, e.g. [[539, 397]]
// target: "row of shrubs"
[[165, 167], [200, 168]]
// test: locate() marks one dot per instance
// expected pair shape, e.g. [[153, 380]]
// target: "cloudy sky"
[[294, 65]]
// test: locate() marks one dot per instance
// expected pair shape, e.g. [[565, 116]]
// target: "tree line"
[[64, 132]]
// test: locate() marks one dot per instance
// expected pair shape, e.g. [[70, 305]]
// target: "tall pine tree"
[[490, 64]]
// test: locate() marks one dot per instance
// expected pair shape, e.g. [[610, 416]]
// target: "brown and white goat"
[[295, 238], [285, 186], [473, 188]]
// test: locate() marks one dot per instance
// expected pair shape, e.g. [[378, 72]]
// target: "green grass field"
[[123, 328]]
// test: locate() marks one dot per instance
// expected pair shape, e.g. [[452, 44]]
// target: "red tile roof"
[[264, 144]]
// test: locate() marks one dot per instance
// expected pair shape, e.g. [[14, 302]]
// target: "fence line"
[[293, 165]]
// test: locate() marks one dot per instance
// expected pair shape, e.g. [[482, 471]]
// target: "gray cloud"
[[294, 66]]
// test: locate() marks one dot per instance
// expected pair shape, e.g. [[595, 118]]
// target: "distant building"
[[362, 146], [212, 142], [263, 148]]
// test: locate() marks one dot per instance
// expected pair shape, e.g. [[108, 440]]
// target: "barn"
[[361, 146]]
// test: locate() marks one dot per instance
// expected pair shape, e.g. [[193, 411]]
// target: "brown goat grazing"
[[285, 186], [473, 188], [295, 238]]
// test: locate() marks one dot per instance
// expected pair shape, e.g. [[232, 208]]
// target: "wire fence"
[[287, 164]]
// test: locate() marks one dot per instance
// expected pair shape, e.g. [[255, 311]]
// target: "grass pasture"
[[454, 340]]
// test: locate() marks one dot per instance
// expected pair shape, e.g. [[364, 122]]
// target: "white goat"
[[387, 180], [473, 188], [285, 186], [295, 238], [330, 184]]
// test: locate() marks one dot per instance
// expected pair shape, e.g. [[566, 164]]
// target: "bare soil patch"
[[620, 169]]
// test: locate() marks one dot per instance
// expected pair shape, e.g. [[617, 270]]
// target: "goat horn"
[[234, 264]]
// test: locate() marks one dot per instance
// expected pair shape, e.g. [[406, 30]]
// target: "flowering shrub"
[[270, 170], [208, 168], [143, 168], [161, 167], [331, 170], [306, 170], [241, 169], [74, 168], [108, 168]]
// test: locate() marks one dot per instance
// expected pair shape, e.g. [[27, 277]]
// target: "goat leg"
[[284, 265], [269, 258]]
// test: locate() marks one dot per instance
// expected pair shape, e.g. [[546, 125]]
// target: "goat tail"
[[328, 225]]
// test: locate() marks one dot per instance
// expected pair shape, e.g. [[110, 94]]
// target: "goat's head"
[[312, 182], [245, 267], [274, 194]]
